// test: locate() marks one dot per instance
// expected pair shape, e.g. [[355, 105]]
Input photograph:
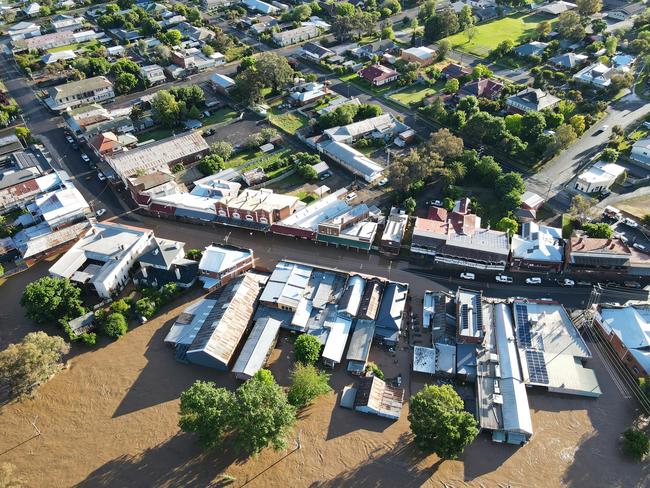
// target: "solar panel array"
[[537, 371], [479, 312], [464, 316], [523, 325]]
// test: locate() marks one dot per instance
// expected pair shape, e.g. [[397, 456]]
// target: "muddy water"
[[110, 419]]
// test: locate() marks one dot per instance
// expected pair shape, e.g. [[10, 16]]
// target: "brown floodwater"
[[110, 419]]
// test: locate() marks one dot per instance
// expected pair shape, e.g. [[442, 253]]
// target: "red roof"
[[377, 72]]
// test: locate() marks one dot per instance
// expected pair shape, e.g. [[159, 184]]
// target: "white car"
[[567, 282], [100, 212], [468, 276], [101, 176], [535, 280], [85, 158], [69, 139], [503, 279], [630, 222], [638, 246], [351, 196], [383, 181]]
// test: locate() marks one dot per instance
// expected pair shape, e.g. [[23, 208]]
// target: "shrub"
[[374, 369], [121, 306], [307, 349], [635, 443], [194, 254], [307, 383], [146, 307], [115, 325], [88, 338]]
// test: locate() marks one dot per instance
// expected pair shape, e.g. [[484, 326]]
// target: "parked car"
[[210, 132], [535, 280], [351, 196], [101, 176], [324, 176], [601, 130], [567, 282], [100, 212], [69, 139], [630, 222], [468, 276], [632, 284], [435, 203], [638, 246], [383, 181], [503, 279], [85, 158], [584, 283]]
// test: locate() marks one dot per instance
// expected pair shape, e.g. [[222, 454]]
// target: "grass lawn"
[[415, 93], [222, 115], [234, 53], [289, 122], [516, 28], [72, 47], [155, 134], [243, 157]]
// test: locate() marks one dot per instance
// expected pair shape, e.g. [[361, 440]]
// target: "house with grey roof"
[[568, 60], [69, 95], [534, 48], [531, 99], [164, 262]]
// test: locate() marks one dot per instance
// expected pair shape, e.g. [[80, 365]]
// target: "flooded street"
[[110, 419]]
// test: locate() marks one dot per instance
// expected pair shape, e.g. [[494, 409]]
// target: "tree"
[[121, 306], [503, 48], [387, 32], [582, 208], [223, 149], [488, 170], [366, 111], [533, 124], [194, 254], [635, 444], [598, 26], [207, 50], [514, 123], [506, 224], [444, 46], [445, 144], [162, 53], [452, 86], [599, 231], [565, 135], [610, 45], [307, 172], [589, 7], [125, 83], [439, 422], [409, 205], [307, 384], [8, 478], [31, 362], [210, 164], [115, 325], [273, 69], [568, 26], [171, 38], [125, 4], [341, 115], [307, 349], [544, 28], [578, 123], [609, 154], [193, 15], [49, 300], [511, 181], [249, 86], [481, 71], [207, 411], [165, 109], [345, 9], [268, 134], [441, 25], [24, 134], [149, 27], [465, 18], [124, 65], [146, 307]]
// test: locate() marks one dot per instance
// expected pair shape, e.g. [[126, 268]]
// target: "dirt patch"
[[636, 206]]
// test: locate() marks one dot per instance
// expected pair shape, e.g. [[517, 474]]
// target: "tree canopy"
[[49, 300], [307, 349], [31, 362], [307, 383], [439, 422]]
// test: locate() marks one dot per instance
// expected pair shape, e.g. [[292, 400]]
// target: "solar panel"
[[537, 371], [523, 326], [464, 316], [479, 313]]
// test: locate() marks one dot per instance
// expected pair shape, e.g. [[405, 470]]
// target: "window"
[[635, 370], [628, 357], [249, 218]]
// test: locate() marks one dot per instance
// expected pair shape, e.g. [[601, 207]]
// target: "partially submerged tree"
[[31, 362], [307, 349], [307, 384], [52, 299]]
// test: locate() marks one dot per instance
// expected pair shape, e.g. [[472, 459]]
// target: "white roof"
[[59, 204], [424, 360], [515, 409], [337, 337], [421, 52], [602, 172], [538, 243], [630, 324], [324, 209], [188, 201], [380, 123], [222, 80], [254, 353], [217, 259], [356, 160]]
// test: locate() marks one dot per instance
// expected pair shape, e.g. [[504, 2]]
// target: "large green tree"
[[30, 363], [307, 349], [166, 110], [439, 422], [207, 411], [307, 384], [273, 69], [52, 299]]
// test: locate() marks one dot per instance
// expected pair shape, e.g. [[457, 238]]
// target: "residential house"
[[57, 209], [23, 30], [590, 253], [221, 83], [383, 126], [315, 52], [164, 262], [453, 70], [599, 177], [160, 155], [32, 9], [531, 99], [193, 33], [456, 238], [209, 333], [153, 74], [261, 24], [641, 151], [75, 93], [88, 121], [556, 8], [352, 160], [627, 12], [9, 144], [295, 36], [307, 93], [108, 143], [482, 88], [534, 48], [378, 75], [597, 75], [191, 60], [568, 60], [393, 234], [627, 329], [215, 4], [422, 55], [62, 23], [222, 263], [51, 58], [538, 248], [102, 259], [259, 6]]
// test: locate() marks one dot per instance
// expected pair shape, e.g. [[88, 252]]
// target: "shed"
[[257, 348], [376, 397], [82, 324]]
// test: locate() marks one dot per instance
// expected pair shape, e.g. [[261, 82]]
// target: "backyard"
[[517, 28], [365, 86], [222, 115], [154, 134], [289, 122], [415, 93]]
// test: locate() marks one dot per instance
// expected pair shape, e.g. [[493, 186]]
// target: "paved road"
[[554, 178]]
